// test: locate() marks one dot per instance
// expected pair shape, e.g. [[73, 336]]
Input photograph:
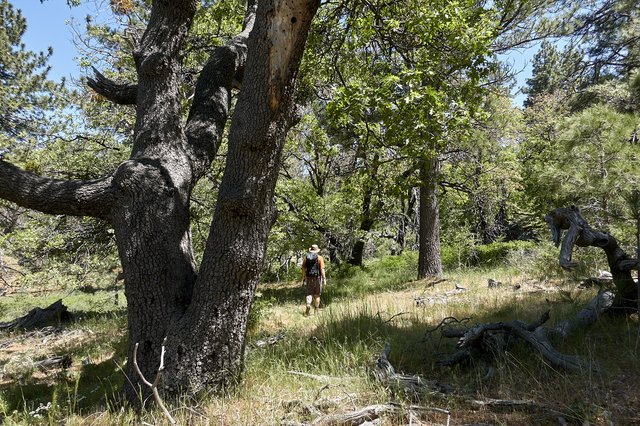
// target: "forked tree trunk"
[[211, 355], [429, 261], [204, 315]]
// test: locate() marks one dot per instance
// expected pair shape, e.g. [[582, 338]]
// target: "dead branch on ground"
[[412, 385], [374, 412], [494, 337]]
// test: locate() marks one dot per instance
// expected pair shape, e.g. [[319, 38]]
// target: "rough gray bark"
[[245, 210], [55, 196], [147, 198], [429, 261], [578, 232], [119, 93]]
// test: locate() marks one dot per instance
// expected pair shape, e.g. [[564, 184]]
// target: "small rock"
[[493, 283]]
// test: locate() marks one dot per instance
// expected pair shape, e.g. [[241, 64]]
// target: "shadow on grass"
[[348, 338], [85, 386]]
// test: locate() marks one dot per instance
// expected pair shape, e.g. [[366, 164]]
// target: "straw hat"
[[314, 248]]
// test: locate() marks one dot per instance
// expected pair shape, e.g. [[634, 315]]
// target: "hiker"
[[313, 276]]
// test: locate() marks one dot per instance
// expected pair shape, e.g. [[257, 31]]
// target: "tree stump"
[[54, 314]]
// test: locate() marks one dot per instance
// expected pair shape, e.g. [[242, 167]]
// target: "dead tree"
[[578, 232], [492, 336]]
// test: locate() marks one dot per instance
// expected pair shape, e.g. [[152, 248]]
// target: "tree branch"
[[71, 197], [581, 234], [154, 385], [212, 98], [122, 94]]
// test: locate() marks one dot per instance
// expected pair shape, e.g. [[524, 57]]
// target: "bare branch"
[[119, 93], [581, 234], [154, 385]]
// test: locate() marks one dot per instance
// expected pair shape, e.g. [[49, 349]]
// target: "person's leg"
[[316, 294], [310, 285]]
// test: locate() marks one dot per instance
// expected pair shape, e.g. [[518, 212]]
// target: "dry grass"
[[339, 344]]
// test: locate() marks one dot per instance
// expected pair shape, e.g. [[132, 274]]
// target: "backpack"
[[312, 265]]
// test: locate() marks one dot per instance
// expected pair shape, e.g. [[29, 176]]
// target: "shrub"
[[496, 254], [486, 255]]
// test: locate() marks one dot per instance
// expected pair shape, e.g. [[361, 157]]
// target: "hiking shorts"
[[314, 286]]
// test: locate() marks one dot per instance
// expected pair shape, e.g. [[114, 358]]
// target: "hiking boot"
[[307, 311]]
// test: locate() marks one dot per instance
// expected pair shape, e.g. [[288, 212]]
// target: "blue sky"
[[47, 25]]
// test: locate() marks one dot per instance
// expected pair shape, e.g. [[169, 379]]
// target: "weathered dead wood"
[[537, 336], [509, 404], [63, 361], [54, 314], [374, 412], [154, 385], [410, 384], [440, 298], [269, 341], [587, 316], [318, 377], [595, 282], [578, 232]]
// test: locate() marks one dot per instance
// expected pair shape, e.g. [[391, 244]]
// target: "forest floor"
[[300, 370]]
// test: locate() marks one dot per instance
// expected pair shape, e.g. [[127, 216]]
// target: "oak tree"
[[202, 311]]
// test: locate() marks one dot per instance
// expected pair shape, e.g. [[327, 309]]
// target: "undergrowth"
[[327, 358]]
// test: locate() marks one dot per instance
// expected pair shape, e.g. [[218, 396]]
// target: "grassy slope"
[[362, 310]]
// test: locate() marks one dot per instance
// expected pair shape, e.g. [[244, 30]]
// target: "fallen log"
[[54, 314], [63, 361], [485, 335], [372, 413], [509, 405]]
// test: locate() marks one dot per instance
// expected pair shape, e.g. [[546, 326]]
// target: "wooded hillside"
[[168, 196]]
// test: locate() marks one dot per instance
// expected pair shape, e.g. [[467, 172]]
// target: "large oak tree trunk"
[[211, 355], [429, 261], [154, 244], [204, 315]]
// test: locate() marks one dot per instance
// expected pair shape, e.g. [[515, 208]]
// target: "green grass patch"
[[329, 356]]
